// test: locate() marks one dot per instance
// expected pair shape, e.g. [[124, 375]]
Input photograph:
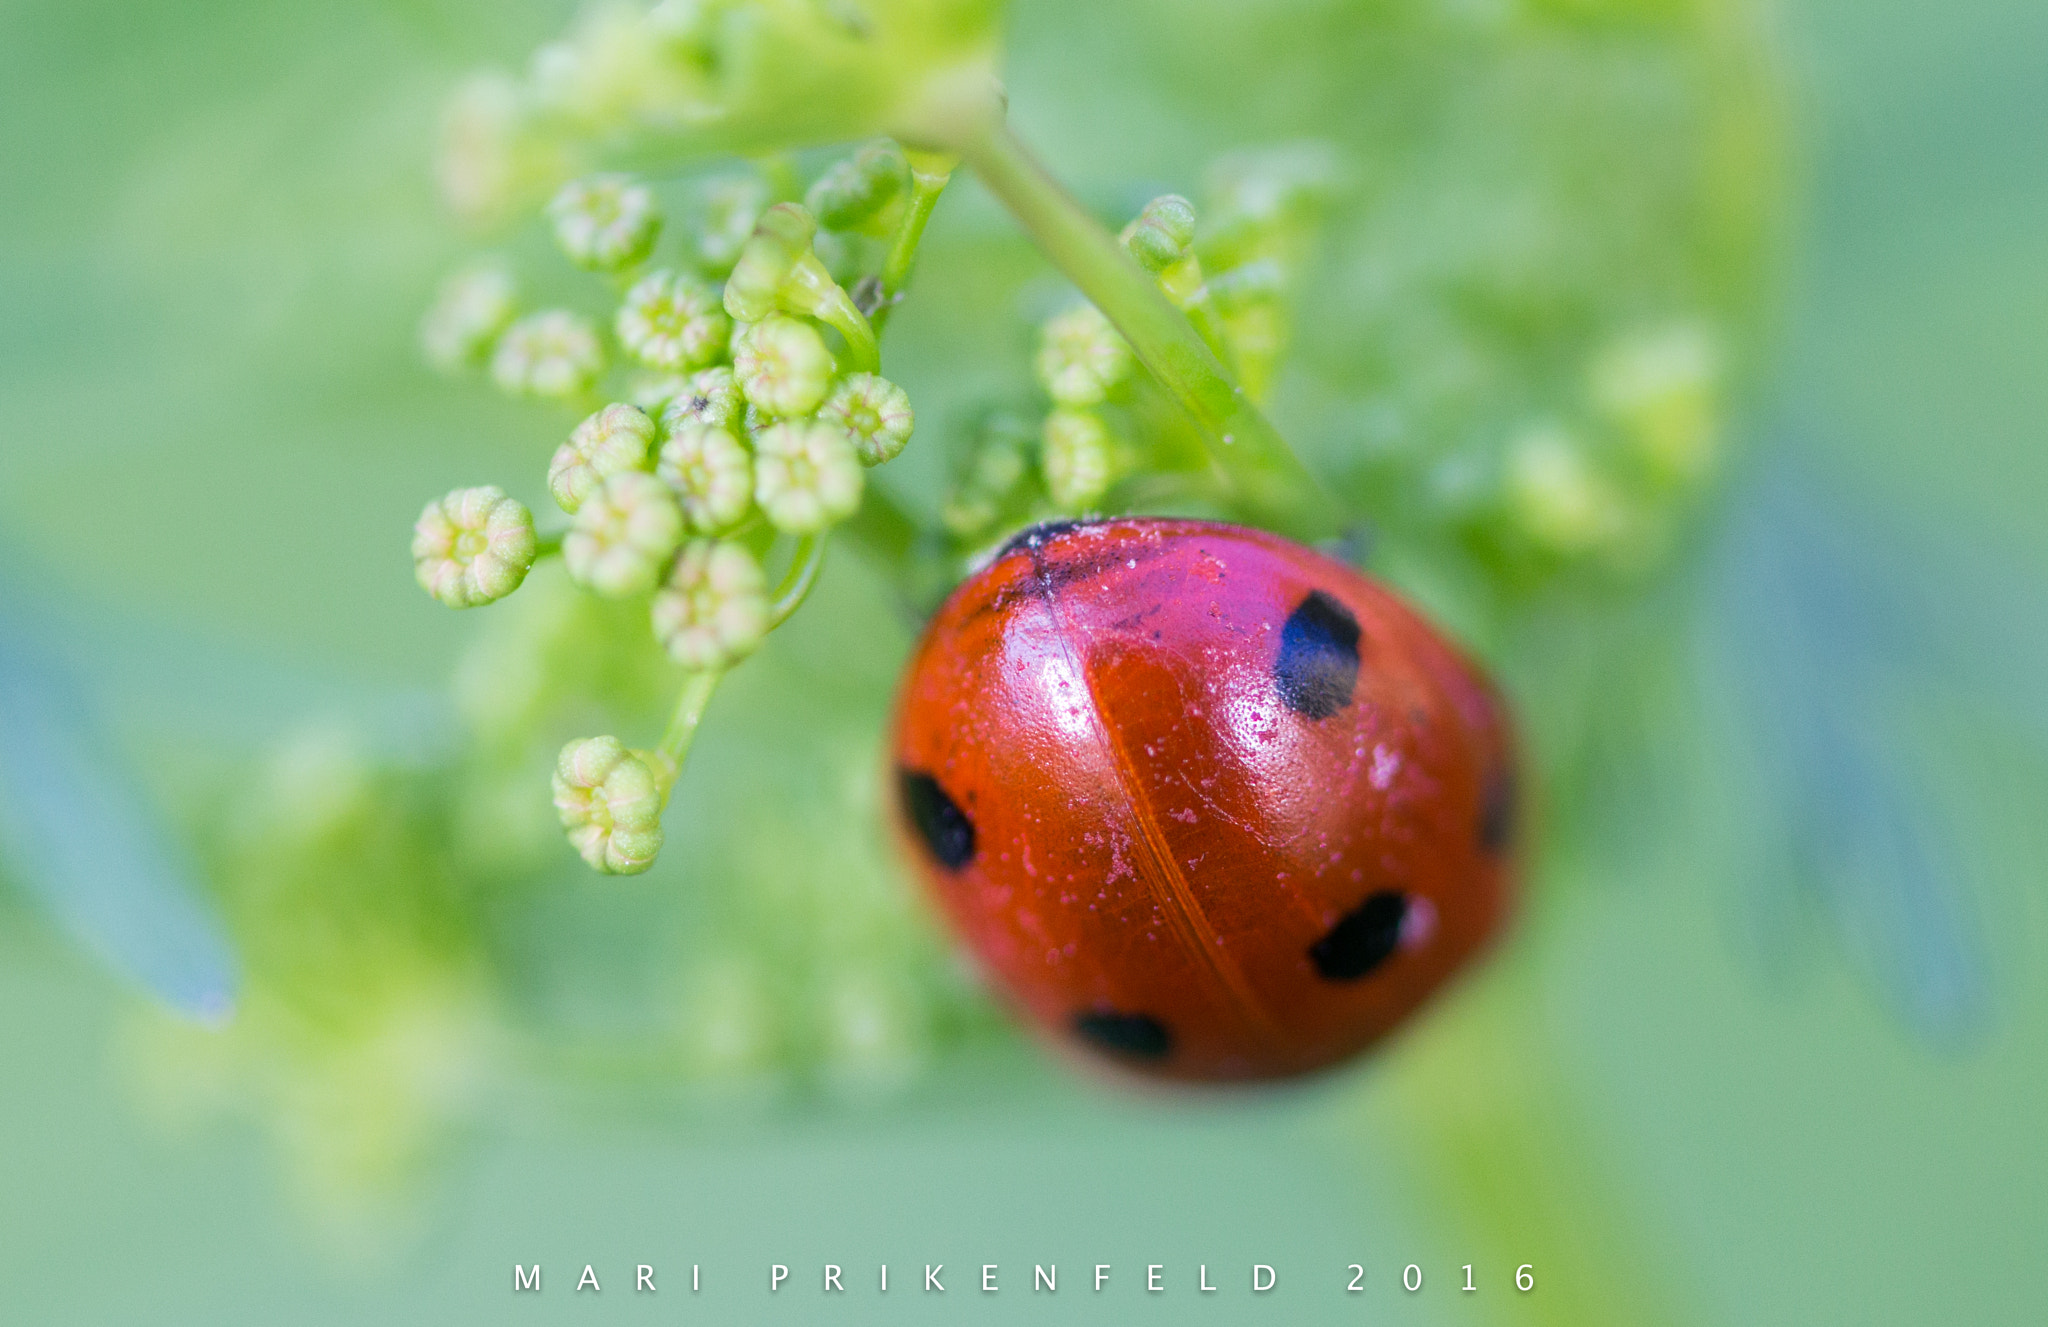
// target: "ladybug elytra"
[[1200, 799]]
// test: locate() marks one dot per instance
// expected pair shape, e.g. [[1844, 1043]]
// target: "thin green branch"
[[1262, 472], [929, 173], [803, 574], [689, 712], [862, 346]]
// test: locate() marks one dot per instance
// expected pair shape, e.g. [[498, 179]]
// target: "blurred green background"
[[217, 232]]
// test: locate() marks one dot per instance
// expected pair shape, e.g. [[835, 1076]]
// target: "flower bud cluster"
[[671, 320], [732, 74], [712, 611], [553, 354], [755, 415], [615, 439], [473, 546], [1083, 363], [610, 800], [605, 222]]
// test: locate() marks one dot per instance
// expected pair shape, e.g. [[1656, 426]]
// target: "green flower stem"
[[548, 545], [803, 574], [929, 174], [1264, 474], [838, 310], [689, 712]]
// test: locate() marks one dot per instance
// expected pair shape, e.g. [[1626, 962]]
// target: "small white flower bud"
[[1161, 235], [610, 801], [472, 307], [806, 476], [473, 546], [624, 534], [614, 439], [551, 354], [875, 414], [780, 243], [783, 367], [604, 222], [710, 473], [671, 320], [1081, 357], [711, 397], [1080, 459], [713, 609]]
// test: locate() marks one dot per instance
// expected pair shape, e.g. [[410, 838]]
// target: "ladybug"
[[1200, 799]]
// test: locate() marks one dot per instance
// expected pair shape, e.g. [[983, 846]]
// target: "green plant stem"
[[803, 574], [862, 346], [929, 173], [546, 545], [1262, 472], [689, 712]]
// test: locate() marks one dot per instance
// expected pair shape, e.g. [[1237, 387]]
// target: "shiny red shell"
[[1203, 800]]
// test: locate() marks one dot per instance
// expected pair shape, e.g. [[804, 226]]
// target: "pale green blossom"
[[610, 801], [711, 475], [1079, 457], [615, 439], [806, 476], [1081, 357], [712, 610], [783, 367], [671, 320], [624, 535], [485, 160], [710, 397], [604, 222], [732, 205], [875, 414], [779, 272], [551, 354], [473, 546]]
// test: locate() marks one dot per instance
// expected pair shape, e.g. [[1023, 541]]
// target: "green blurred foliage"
[[1515, 253], [1526, 313]]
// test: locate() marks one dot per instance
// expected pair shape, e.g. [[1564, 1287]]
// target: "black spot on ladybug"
[[940, 822], [1497, 811], [1363, 938], [1318, 662], [1137, 1036], [1038, 535]]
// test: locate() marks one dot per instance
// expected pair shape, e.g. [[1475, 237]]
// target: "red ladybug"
[[1201, 799]]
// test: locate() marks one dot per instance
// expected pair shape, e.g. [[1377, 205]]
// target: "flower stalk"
[[1262, 471], [691, 702], [929, 174], [805, 563]]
